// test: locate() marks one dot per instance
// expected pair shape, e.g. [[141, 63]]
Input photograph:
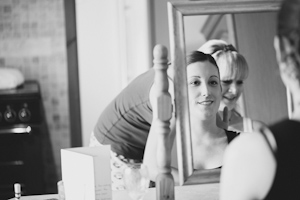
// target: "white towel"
[[10, 78]]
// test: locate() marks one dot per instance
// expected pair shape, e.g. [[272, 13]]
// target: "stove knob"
[[24, 115], [10, 115]]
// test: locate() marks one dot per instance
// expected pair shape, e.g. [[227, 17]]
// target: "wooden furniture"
[[162, 113]]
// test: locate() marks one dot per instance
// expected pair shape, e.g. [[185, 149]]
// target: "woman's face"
[[204, 89], [232, 88]]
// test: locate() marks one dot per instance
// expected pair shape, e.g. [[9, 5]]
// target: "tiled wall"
[[32, 39]]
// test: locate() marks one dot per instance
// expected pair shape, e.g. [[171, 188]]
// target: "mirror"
[[200, 28], [176, 13]]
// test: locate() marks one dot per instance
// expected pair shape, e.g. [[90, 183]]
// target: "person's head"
[[287, 44], [233, 70], [203, 84]]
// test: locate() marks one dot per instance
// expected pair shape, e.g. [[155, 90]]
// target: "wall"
[[99, 80], [114, 46], [32, 39], [265, 94], [193, 24], [161, 25]]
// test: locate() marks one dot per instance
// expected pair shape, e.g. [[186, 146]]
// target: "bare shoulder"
[[248, 157], [255, 144]]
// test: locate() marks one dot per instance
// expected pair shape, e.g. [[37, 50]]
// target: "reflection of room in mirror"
[[193, 37], [201, 28], [219, 27], [246, 36], [262, 90], [216, 27], [198, 29]]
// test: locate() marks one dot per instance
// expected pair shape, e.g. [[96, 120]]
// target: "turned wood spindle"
[[162, 112]]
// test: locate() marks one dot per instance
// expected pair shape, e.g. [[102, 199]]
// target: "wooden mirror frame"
[[176, 12]]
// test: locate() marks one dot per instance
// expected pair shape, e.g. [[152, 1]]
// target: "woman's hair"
[[288, 26], [198, 56], [289, 20], [227, 58]]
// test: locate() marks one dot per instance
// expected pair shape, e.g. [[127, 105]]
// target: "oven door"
[[20, 160]]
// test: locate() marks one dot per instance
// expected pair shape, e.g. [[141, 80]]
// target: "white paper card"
[[86, 173]]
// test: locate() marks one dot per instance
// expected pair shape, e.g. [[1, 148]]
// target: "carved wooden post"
[[162, 111]]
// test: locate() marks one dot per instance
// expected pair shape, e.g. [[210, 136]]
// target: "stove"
[[22, 129], [20, 105]]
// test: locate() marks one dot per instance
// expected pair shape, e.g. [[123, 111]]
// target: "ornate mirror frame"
[[176, 12]]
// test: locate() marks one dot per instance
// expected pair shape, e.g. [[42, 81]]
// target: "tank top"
[[231, 135], [286, 184], [126, 121]]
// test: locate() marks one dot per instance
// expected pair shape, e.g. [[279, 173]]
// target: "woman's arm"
[[248, 168]]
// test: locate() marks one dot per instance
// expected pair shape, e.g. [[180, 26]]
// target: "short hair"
[[289, 20], [198, 56], [227, 58]]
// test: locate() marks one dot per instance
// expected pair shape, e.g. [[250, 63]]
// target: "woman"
[[125, 124], [233, 73], [271, 169], [208, 140]]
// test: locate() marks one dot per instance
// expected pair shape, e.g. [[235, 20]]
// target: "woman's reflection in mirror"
[[265, 164], [234, 72], [204, 95]]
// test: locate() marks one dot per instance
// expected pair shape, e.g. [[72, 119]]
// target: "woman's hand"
[[223, 123]]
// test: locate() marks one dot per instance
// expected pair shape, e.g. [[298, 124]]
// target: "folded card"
[[86, 173]]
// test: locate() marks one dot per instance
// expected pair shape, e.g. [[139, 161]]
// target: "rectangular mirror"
[[176, 13]]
